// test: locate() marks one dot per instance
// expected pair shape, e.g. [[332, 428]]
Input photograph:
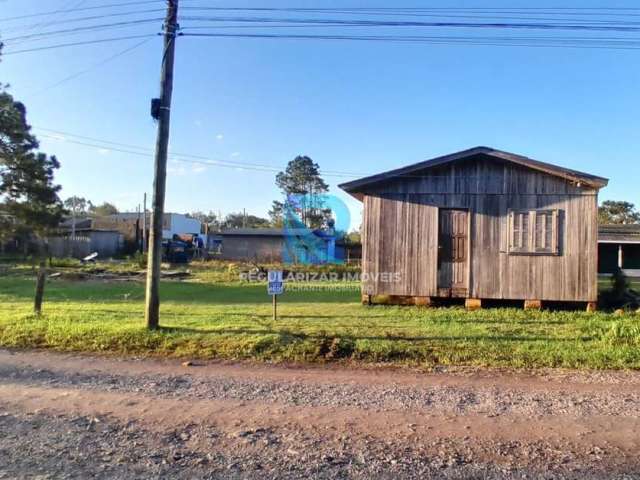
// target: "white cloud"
[[179, 171], [235, 154], [197, 123], [104, 151], [198, 169], [219, 136], [127, 196]]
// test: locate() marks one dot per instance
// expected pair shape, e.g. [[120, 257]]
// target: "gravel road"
[[72, 416]]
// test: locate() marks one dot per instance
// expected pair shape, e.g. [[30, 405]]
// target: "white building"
[[172, 223], [177, 223]]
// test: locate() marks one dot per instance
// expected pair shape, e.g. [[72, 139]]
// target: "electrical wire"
[[94, 142], [73, 10], [536, 10], [84, 19], [188, 158], [439, 14], [94, 66], [557, 40], [76, 30], [173, 156], [436, 37], [85, 42], [420, 39], [387, 23]]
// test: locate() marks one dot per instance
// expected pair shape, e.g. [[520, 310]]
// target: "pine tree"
[[301, 177], [27, 192]]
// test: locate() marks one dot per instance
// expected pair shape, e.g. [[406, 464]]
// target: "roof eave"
[[355, 187]]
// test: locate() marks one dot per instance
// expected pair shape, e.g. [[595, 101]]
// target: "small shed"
[[106, 243], [480, 224]]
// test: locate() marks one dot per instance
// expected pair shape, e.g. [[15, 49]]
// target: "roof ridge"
[[567, 173]]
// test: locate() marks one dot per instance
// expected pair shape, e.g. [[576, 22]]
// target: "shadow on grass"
[[181, 292], [433, 316], [316, 336]]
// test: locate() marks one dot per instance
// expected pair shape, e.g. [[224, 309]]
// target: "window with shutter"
[[533, 232]]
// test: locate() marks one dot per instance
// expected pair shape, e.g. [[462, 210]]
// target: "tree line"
[[80, 206]]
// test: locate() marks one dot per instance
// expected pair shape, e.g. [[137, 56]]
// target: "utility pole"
[[144, 223], [138, 232], [73, 226], [163, 114]]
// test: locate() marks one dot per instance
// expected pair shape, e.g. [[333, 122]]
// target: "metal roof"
[[263, 232], [356, 186], [619, 233]]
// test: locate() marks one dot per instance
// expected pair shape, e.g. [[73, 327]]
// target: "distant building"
[[179, 224], [619, 247], [85, 240], [276, 245], [130, 224]]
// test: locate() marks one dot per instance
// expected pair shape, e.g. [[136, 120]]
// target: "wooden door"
[[453, 253]]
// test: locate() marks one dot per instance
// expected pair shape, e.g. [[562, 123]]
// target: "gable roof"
[[356, 186]]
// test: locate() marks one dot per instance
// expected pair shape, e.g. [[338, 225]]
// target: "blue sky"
[[352, 106]]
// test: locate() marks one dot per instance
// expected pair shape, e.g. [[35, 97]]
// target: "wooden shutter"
[[533, 232]]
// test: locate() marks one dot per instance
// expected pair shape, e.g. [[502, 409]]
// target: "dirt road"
[[70, 416]]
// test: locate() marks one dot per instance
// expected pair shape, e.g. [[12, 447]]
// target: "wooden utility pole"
[[144, 224], [152, 302], [138, 230], [73, 227]]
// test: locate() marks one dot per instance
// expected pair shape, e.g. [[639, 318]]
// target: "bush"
[[622, 333], [140, 259], [333, 348], [620, 295]]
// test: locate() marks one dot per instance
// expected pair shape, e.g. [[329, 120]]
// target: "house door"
[[453, 253]]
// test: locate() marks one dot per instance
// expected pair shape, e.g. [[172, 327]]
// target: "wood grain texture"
[[401, 233]]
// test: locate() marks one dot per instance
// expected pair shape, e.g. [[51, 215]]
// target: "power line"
[[560, 41], [421, 39], [176, 156], [137, 150], [147, 152], [45, 23], [422, 9], [73, 10], [436, 37], [85, 42], [505, 14], [404, 23], [92, 67], [84, 19], [90, 28]]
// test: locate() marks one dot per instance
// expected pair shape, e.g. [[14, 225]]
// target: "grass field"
[[212, 316]]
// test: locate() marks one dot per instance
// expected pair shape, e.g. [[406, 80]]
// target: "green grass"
[[212, 317]]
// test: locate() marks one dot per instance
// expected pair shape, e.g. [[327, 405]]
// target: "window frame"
[[530, 237]]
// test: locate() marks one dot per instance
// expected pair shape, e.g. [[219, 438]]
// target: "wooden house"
[[480, 224]]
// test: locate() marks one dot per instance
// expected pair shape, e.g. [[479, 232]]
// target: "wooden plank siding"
[[400, 232]]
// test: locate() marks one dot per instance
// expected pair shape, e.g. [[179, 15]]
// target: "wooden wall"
[[252, 248], [400, 232]]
